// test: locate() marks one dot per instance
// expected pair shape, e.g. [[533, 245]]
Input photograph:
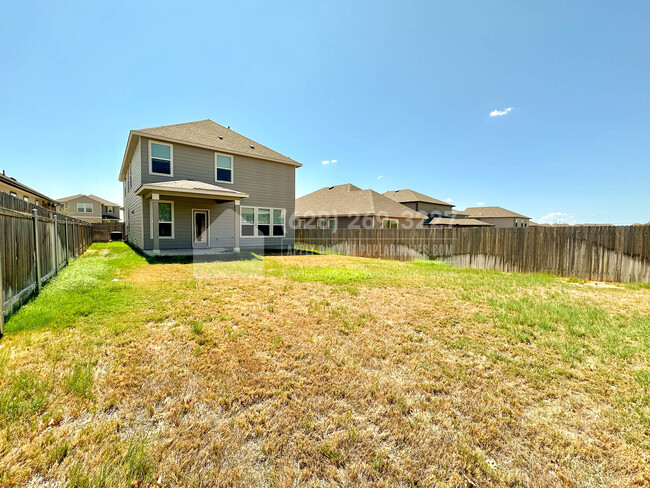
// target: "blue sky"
[[398, 93]]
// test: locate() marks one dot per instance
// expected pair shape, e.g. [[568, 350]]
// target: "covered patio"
[[188, 217]]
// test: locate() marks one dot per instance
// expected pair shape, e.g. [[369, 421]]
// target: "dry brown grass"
[[220, 375]]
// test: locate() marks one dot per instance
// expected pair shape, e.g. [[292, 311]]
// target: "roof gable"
[[91, 197]]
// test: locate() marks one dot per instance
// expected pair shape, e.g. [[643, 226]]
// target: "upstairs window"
[[160, 159], [389, 224], [332, 224], [109, 210], [84, 207], [26, 199], [223, 168], [321, 224], [13, 194]]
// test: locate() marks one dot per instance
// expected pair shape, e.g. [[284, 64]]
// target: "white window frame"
[[171, 159], [232, 169], [26, 199], [390, 220], [173, 222], [256, 222]]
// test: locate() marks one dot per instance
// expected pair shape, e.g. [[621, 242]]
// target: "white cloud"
[[480, 203], [380, 177], [326, 163], [498, 113], [556, 218], [449, 200], [333, 161]]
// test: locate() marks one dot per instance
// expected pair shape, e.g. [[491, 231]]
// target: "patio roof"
[[191, 188]]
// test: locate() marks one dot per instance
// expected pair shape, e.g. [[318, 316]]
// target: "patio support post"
[[155, 197], [237, 222]]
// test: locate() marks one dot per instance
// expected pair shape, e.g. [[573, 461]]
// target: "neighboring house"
[[349, 207], [90, 208], [202, 188], [18, 190], [438, 213], [438, 222], [498, 216], [429, 206]]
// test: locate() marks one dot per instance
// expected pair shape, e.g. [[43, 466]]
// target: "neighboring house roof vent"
[[330, 187], [221, 137], [252, 147]]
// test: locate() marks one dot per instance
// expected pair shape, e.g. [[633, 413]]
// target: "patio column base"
[[235, 249]]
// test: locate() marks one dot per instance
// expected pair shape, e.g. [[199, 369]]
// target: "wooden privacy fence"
[[102, 231], [36, 244], [603, 253]]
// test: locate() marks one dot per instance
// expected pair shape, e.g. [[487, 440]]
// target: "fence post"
[[37, 250], [67, 245], [2, 295], [56, 244]]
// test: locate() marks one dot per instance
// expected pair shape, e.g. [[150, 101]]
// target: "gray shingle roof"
[[491, 212], [210, 134], [349, 200], [406, 196]]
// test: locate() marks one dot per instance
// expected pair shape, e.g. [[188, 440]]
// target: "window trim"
[[232, 169], [256, 222], [171, 159], [173, 222], [390, 220]]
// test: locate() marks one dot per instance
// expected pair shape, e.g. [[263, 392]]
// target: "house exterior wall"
[[268, 184], [133, 216], [21, 194], [94, 216], [115, 211], [221, 223]]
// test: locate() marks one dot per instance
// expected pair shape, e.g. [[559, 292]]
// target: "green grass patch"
[[83, 288]]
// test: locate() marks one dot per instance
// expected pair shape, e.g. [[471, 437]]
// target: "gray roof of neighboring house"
[[457, 222], [458, 212], [407, 196], [92, 197], [210, 135], [492, 212], [9, 180], [349, 200]]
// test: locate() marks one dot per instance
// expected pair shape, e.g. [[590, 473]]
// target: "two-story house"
[[90, 208], [16, 189], [498, 216], [201, 188]]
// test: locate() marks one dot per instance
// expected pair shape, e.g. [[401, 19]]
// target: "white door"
[[200, 228]]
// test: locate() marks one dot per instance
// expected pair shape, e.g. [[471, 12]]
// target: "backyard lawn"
[[323, 371]]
